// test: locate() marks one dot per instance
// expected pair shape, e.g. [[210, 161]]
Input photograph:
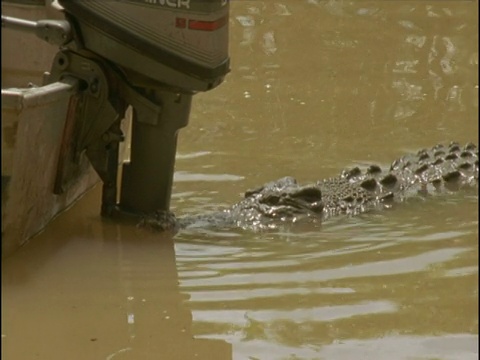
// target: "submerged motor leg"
[[147, 179]]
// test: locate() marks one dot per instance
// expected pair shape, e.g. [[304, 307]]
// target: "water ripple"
[[379, 268]]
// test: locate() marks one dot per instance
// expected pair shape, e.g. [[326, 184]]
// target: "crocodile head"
[[291, 201], [281, 200]]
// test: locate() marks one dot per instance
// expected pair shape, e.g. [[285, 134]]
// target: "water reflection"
[[99, 291], [381, 268], [364, 286], [369, 288]]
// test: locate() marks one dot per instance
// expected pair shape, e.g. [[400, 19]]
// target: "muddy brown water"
[[315, 86]]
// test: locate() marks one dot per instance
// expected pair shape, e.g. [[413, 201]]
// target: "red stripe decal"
[[207, 25]]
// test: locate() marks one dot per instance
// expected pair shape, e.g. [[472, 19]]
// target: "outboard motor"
[[153, 55]]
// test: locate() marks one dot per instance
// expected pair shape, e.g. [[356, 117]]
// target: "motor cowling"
[[179, 43]]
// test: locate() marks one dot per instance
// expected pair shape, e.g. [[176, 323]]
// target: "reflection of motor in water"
[[156, 318], [90, 289]]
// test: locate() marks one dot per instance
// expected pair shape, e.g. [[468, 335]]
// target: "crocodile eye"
[[270, 200]]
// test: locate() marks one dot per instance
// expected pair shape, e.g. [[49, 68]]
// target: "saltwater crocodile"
[[439, 169]]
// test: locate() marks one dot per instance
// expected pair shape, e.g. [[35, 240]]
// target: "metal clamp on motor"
[[151, 55], [55, 32]]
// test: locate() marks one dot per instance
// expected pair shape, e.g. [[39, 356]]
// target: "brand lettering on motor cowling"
[[177, 4]]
